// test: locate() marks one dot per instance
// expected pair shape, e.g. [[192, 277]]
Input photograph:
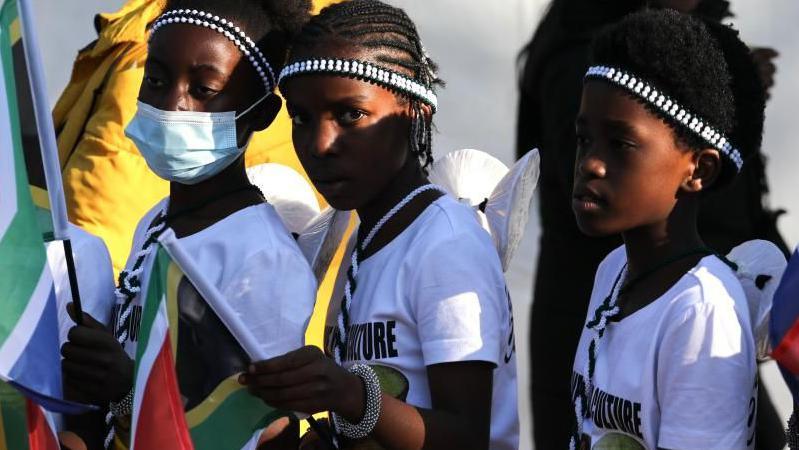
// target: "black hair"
[[749, 96], [676, 54], [271, 24], [393, 42]]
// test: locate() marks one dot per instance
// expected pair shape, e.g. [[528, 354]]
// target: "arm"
[[96, 370], [306, 380], [706, 341]]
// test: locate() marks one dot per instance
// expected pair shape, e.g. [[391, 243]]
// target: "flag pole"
[[48, 147]]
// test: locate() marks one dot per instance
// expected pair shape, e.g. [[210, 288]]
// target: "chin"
[[595, 227], [340, 203]]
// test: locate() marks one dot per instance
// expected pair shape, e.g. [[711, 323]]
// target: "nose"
[[324, 140], [175, 98], [589, 165]]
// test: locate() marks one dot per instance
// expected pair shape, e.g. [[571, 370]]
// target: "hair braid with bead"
[[393, 41]]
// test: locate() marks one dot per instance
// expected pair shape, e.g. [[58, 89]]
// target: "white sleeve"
[[705, 379], [460, 302], [273, 294]]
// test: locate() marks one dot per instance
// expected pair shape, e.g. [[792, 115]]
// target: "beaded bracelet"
[[374, 403], [123, 407]]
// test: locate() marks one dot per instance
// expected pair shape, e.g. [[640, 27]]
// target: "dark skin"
[[632, 177], [352, 139], [188, 68]]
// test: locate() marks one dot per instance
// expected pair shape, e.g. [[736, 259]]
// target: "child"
[[426, 318], [209, 83], [667, 357]]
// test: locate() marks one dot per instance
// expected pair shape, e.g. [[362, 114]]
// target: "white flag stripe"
[[154, 344], [44, 123], [8, 179], [212, 296], [23, 331]]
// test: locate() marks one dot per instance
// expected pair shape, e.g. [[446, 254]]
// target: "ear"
[[265, 113], [706, 170]]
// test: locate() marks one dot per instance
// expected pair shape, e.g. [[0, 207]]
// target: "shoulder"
[[611, 266], [709, 297], [711, 284], [253, 229], [451, 223], [144, 225], [258, 249]]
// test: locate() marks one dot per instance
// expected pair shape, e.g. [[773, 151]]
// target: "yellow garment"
[[107, 183]]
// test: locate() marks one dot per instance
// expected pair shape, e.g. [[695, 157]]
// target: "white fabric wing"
[[500, 197], [508, 207], [320, 239], [760, 267], [286, 190]]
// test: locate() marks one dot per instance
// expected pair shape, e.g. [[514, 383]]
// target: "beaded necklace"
[[605, 313], [343, 320], [129, 282]]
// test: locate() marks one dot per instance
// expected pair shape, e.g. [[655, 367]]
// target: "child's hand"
[[96, 368], [305, 380]]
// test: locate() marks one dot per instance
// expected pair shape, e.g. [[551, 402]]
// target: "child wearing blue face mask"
[[208, 85]]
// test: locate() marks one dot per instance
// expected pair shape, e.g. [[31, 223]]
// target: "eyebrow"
[[210, 67], [152, 59], [612, 124]]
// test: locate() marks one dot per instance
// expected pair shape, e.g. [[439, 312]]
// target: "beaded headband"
[[669, 107], [362, 70], [229, 30]]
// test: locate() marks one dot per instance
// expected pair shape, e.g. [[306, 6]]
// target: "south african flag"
[[187, 396]]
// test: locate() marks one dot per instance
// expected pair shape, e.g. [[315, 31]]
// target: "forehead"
[[179, 45], [603, 103], [322, 90]]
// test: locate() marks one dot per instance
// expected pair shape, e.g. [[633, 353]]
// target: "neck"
[[185, 196], [404, 182], [649, 245]]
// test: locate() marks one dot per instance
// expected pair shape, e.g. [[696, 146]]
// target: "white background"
[[476, 43]]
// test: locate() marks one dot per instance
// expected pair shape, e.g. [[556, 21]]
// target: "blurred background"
[[476, 44]]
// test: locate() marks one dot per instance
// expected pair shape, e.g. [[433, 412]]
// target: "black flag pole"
[[48, 146], [73, 281]]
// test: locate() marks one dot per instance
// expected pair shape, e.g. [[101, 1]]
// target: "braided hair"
[[392, 41], [272, 24]]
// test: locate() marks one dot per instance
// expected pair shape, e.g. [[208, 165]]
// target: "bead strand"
[[669, 107]]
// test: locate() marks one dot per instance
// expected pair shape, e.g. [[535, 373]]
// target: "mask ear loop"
[[258, 102]]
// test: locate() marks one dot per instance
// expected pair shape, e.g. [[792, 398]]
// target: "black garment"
[[551, 87], [207, 352]]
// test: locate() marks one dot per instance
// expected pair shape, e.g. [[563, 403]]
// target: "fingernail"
[[242, 379], [251, 369]]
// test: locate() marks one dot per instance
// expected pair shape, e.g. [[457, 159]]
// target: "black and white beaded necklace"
[[340, 338], [605, 313]]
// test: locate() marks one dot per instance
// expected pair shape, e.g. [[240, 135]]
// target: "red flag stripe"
[[41, 435], [161, 421], [787, 352]]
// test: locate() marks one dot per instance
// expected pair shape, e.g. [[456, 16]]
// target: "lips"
[[329, 184], [585, 199]]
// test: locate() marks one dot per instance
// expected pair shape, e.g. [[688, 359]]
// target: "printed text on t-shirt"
[[609, 411], [371, 341]]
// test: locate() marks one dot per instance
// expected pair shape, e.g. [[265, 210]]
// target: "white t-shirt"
[[676, 374], [258, 268], [435, 294]]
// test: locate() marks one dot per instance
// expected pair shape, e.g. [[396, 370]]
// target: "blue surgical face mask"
[[187, 147]]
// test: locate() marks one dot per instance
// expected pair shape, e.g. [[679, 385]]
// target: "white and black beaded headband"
[[669, 107], [353, 68], [227, 29]]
